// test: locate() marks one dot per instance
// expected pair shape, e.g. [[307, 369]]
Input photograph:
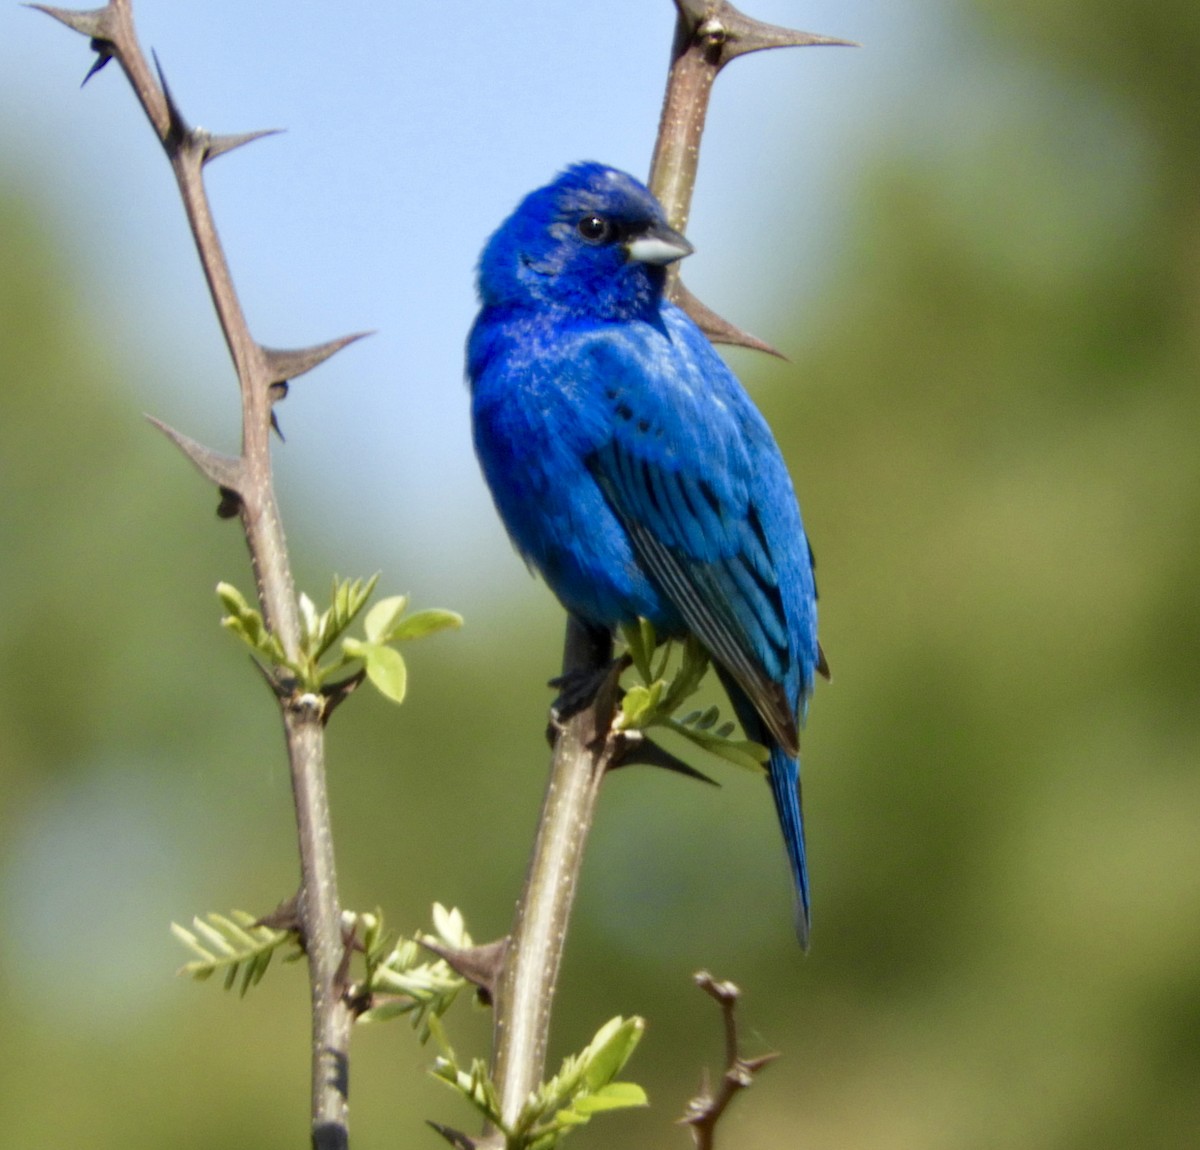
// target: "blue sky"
[[411, 130]]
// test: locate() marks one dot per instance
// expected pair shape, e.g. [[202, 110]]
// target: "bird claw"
[[577, 689]]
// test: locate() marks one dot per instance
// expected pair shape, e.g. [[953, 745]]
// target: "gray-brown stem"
[[530, 973], [248, 480]]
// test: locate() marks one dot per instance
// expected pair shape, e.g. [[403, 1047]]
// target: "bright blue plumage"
[[630, 467]]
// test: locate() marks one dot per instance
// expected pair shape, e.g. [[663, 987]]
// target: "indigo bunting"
[[630, 467]]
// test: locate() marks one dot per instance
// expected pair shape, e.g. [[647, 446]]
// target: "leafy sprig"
[[657, 699], [385, 625], [585, 1085], [236, 944], [401, 981]]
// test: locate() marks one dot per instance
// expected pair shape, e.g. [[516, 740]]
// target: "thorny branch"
[[247, 490], [708, 34]]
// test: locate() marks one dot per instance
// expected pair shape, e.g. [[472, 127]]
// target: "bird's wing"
[[695, 478]]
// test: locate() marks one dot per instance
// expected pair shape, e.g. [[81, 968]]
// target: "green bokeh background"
[[995, 432]]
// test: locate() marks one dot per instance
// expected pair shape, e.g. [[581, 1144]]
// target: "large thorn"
[[223, 470], [218, 145], [96, 23], [718, 329], [729, 33], [288, 363], [635, 749], [479, 965], [178, 129], [461, 1141]]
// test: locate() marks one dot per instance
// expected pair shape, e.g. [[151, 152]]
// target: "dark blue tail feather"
[[785, 787]]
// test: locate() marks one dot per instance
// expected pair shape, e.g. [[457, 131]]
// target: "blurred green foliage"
[[994, 431]]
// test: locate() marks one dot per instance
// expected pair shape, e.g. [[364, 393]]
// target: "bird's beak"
[[658, 244]]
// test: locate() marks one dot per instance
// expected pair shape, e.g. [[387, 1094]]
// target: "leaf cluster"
[[238, 944], [657, 699], [400, 981], [585, 1085], [385, 624]]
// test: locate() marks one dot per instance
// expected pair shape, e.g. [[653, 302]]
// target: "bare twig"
[[247, 489], [708, 34], [705, 1110]]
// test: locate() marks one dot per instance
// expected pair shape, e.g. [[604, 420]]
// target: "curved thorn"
[[337, 693], [635, 749], [218, 145], [178, 129], [479, 965], [223, 470], [761, 36], [456, 1138], [288, 363], [726, 32], [93, 23], [717, 329]]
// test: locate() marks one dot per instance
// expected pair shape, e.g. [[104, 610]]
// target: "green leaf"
[[386, 670], [385, 667], [639, 705], [614, 1096], [382, 618], [310, 621], [640, 641], [232, 599], [741, 752], [404, 981], [708, 719], [422, 623], [247, 623], [235, 944], [349, 597], [608, 1052]]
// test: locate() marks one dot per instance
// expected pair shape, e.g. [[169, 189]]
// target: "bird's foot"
[[577, 689]]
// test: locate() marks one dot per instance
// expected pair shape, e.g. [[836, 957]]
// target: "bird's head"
[[594, 242]]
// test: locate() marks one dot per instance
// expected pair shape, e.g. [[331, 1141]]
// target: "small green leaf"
[[386, 669], [614, 1096], [422, 623], [660, 672], [383, 617], [741, 752], [638, 706], [245, 622], [639, 639], [608, 1052], [236, 944], [708, 719], [232, 599], [310, 621], [634, 705]]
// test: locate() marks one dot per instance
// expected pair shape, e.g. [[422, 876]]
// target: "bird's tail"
[[785, 787], [784, 774]]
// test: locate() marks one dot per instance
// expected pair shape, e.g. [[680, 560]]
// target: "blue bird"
[[630, 467]]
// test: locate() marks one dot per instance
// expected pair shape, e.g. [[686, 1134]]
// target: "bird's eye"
[[595, 229]]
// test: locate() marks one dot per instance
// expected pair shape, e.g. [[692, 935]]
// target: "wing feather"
[[730, 602]]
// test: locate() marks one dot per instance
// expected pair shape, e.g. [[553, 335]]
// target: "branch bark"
[[247, 490]]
